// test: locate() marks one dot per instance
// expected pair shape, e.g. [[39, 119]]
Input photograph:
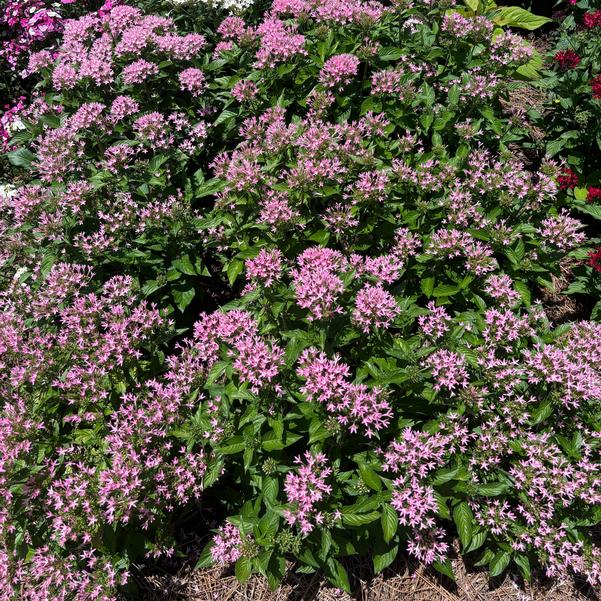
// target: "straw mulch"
[[405, 581]]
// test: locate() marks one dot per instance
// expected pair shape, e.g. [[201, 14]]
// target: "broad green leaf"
[[492, 489], [270, 488], [478, 539], [183, 297], [383, 558], [21, 157], [523, 563], [389, 521], [390, 53], [427, 286], [542, 412], [445, 567], [206, 559], [531, 70], [514, 16], [272, 443], [185, 265], [243, 569], [445, 290], [473, 5], [337, 575], [498, 563], [234, 269], [370, 477], [464, 520], [360, 519], [234, 445]]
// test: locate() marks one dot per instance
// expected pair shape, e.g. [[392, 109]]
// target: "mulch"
[[406, 580]]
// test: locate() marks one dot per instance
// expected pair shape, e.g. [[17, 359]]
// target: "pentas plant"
[[91, 467], [571, 120], [481, 421], [574, 91], [390, 242], [115, 147], [385, 378]]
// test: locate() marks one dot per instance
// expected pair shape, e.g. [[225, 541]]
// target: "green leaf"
[[445, 290], [21, 157], [383, 558], [224, 116], [498, 563], [390, 53], [389, 521], [464, 520], [531, 70], [234, 269], [473, 5], [478, 539], [185, 265], [370, 477], [183, 298], [243, 569], [427, 286], [514, 16], [542, 412], [209, 188], [485, 559], [523, 564], [276, 570], [360, 519], [272, 443], [205, 559], [337, 575], [445, 568], [492, 489], [235, 445], [524, 292], [270, 489]]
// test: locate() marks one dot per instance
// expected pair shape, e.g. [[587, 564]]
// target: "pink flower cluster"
[[338, 71], [306, 490], [29, 22], [353, 405], [317, 281]]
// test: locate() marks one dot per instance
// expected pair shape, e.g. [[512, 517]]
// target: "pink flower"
[[226, 545], [192, 80], [306, 490], [244, 90], [139, 71], [374, 308], [265, 268], [448, 370], [339, 71], [317, 281], [436, 324]]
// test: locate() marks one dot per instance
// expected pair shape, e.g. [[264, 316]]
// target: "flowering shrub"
[[383, 376], [115, 175], [574, 92]]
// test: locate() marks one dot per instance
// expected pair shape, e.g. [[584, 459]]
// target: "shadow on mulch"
[[405, 580]]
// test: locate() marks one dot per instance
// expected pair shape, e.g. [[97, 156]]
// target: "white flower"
[[7, 190]]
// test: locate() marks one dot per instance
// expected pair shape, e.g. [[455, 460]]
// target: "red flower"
[[594, 259], [592, 19], [568, 180], [594, 195], [596, 86], [567, 59]]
